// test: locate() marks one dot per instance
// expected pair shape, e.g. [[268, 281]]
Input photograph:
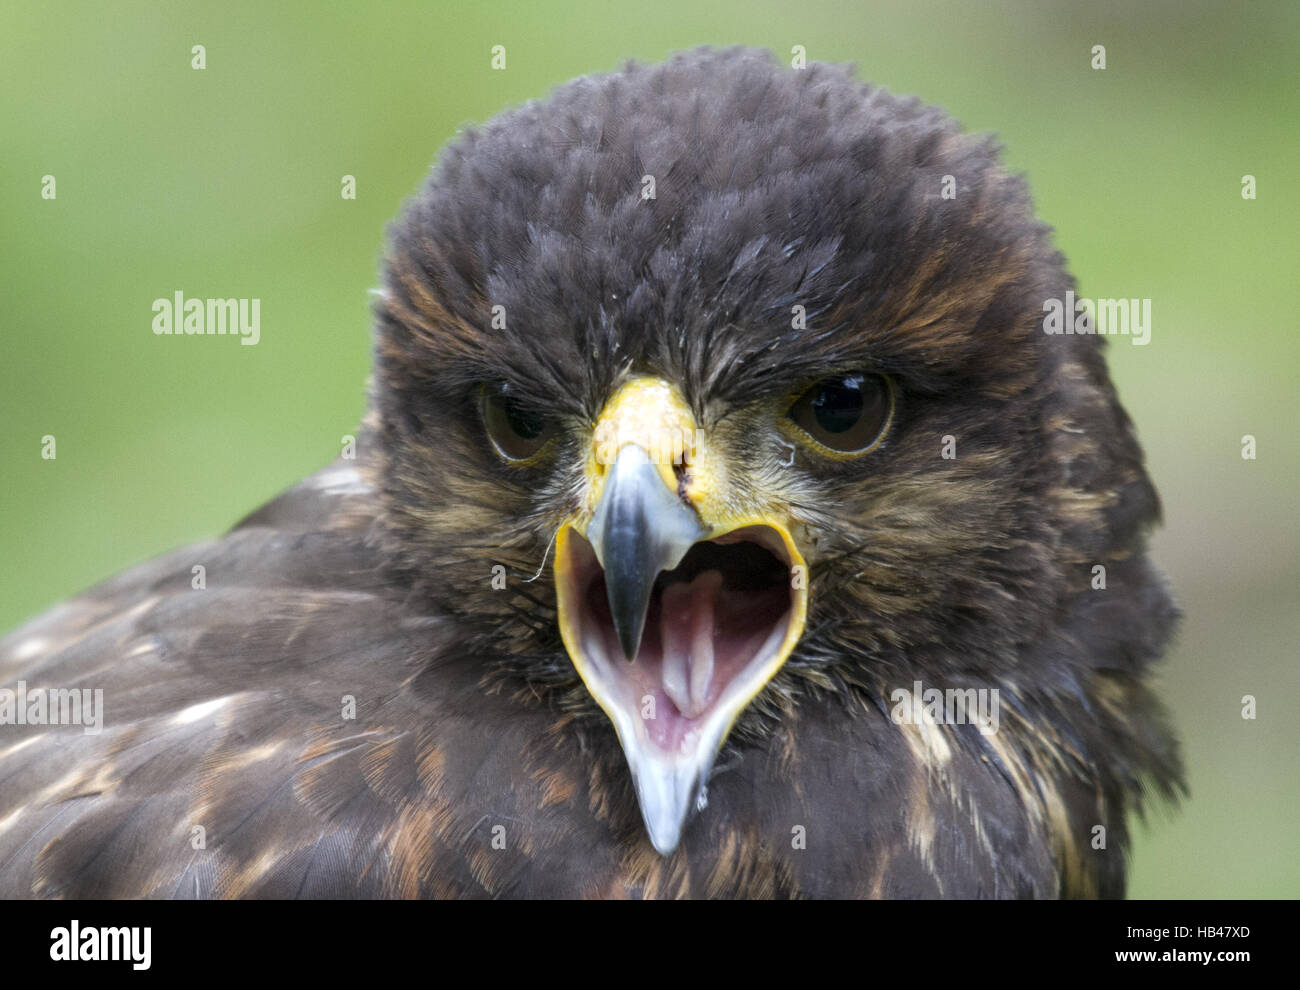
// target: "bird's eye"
[[517, 433], [846, 413]]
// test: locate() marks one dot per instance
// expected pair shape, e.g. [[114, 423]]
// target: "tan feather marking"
[[920, 822], [599, 798], [926, 738], [656, 876], [377, 761], [786, 747], [237, 882], [1076, 879], [977, 828], [410, 839], [1010, 759], [558, 786], [1036, 766], [615, 890], [241, 759], [721, 877], [77, 783]]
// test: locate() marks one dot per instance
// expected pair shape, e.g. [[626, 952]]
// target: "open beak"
[[676, 605]]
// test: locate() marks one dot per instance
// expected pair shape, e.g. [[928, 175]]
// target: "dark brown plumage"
[[423, 580]]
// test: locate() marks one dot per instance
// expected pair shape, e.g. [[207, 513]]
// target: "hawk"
[[714, 447]]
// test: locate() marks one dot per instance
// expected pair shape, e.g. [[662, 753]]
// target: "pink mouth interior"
[[725, 606]]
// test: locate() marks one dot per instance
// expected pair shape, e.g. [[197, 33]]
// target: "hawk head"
[[707, 387]]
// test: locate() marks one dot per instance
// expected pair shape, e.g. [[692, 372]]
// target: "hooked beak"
[[675, 606], [640, 528]]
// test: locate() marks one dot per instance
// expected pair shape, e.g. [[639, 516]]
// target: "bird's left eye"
[[845, 413], [517, 432]]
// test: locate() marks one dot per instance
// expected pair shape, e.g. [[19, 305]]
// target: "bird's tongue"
[[700, 636], [687, 627]]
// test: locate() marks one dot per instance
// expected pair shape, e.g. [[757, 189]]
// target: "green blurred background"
[[226, 181]]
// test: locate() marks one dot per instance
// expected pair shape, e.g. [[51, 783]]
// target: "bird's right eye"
[[517, 432]]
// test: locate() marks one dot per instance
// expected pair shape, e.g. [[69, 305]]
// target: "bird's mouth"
[[712, 626], [675, 613], [718, 626]]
